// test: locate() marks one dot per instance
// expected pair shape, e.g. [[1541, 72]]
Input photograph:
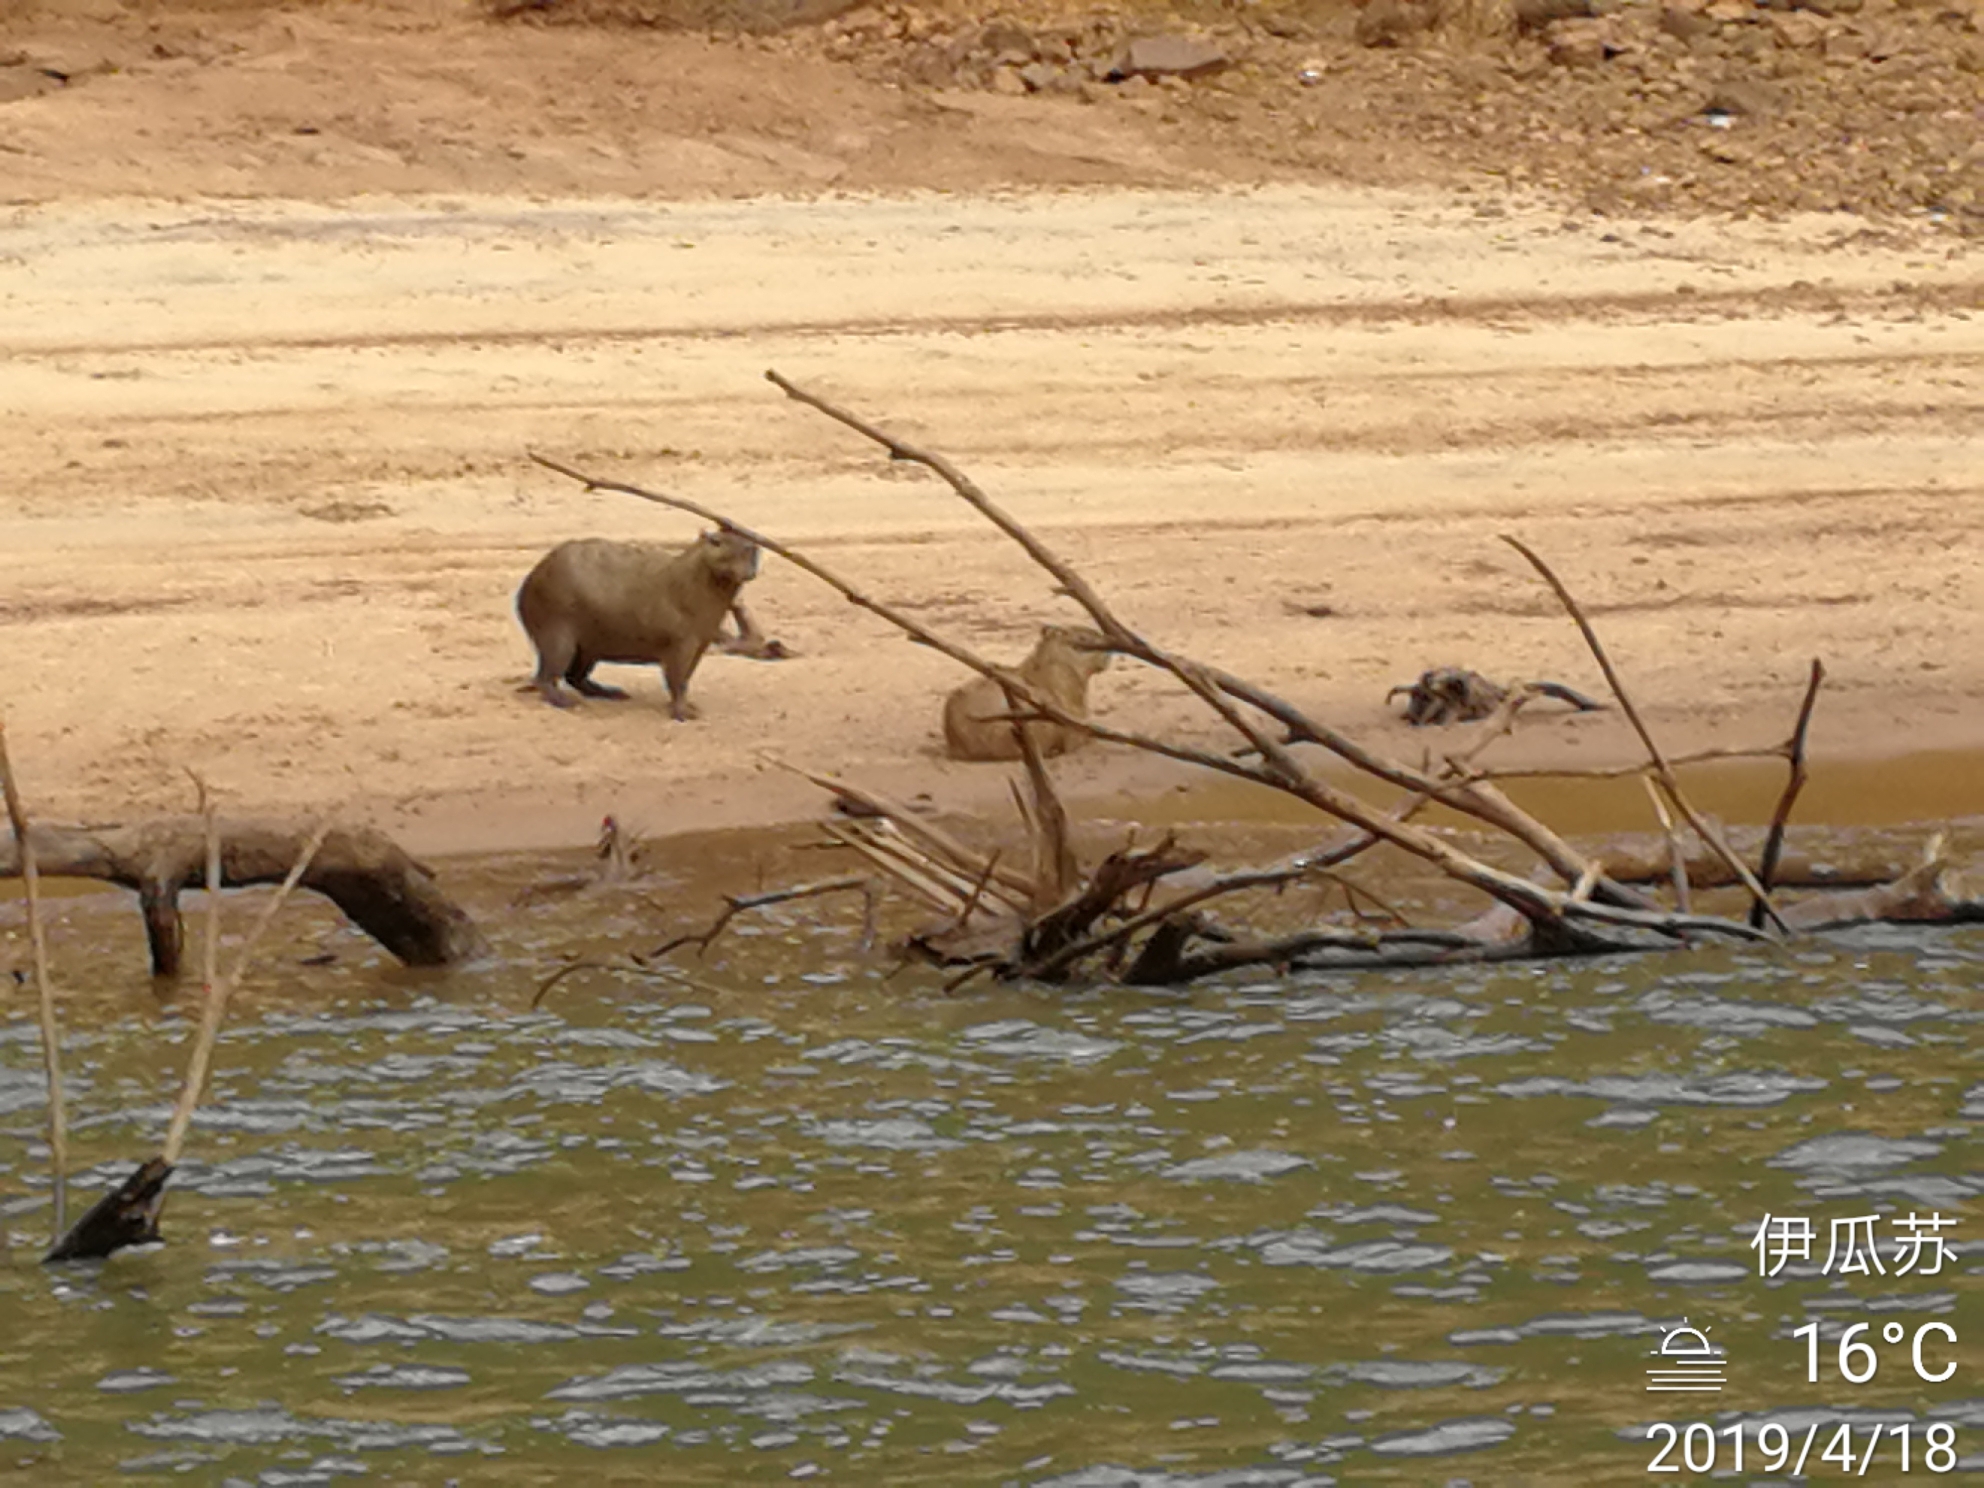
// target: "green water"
[[795, 1220]]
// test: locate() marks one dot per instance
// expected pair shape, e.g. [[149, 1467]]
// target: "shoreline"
[[1925, 788]]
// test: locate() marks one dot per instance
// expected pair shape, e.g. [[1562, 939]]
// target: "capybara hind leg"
[[556, 653], [579, 674]]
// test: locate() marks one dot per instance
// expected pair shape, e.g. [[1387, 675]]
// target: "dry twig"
[[1794, 753], [217, 994], [44, 991], [737, 904], [1677, 855], [1669, 782]]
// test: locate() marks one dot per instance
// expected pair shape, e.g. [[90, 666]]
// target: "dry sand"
[[287, 291], [269, 501]]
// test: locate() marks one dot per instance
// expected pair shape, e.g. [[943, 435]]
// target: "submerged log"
[[367, 875], [127, 1215]]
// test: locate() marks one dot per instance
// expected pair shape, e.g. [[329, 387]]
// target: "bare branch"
[[218, 994], [1795, 754], [929, 880], [1066, 577], [1281, 770], [1361, 948], [1055, 871], [44, 992], [1677, 855], [1668, 781], [1621, 772], [1542, 906], [1930, 893], [970, 906], [736, 904], [1171, 909], [1114, 879], [913, 825]]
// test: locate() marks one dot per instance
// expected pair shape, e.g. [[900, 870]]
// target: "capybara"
[[975, 726], [592, 600]]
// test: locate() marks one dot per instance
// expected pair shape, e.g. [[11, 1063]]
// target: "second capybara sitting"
[[593, 599], [976, 725]]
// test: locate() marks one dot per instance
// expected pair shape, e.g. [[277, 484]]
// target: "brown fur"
[[1059, 669], [594, 600]]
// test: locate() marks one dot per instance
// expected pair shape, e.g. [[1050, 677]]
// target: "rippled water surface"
[[790, 1219]]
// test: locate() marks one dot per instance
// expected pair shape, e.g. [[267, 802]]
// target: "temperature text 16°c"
[[1859, 1362]]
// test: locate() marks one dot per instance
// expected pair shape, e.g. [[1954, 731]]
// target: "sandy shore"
[[269, 500]]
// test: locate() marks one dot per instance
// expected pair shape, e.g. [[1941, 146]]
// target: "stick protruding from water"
[[51, 1035], [215, 993]]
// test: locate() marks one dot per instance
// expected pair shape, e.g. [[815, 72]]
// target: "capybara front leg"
[[678, 667]]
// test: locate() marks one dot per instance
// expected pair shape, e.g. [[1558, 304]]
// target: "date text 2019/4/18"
[[1908, 1446]]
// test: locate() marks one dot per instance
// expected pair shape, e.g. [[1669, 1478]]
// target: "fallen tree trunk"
[[1932, 893], [380, 889], [1862, 868]]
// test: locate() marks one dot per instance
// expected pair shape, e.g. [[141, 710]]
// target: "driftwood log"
[[380, 889]]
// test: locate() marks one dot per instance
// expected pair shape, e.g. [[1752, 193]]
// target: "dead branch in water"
[[44, 990], [1669, 782], [1058, 922], [1931, 893], [1677, 854], [386, 893], [874, 805], [215, 995], [1795, 758], [1055, 870], [129, 1214], [737, 904]]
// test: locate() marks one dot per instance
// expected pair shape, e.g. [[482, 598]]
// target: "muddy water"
[[778, 1217]]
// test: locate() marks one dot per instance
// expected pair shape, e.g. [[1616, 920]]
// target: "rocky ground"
[[1744, 106], [1728, 105]]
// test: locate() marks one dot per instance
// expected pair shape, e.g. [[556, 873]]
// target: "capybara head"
[[731, 556], [1087, 649]]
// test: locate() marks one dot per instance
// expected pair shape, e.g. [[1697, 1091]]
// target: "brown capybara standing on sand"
[[594, 600], [1059, 668]]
